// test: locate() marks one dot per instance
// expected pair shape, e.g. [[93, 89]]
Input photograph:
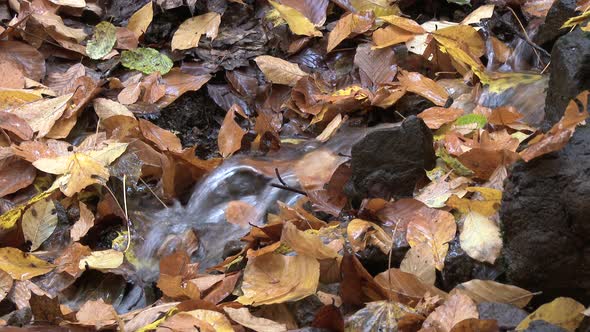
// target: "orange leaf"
[[163, 139], [435, 117], [424, 86], [230, 134], [349, 25], [504, 116], [241, 213], [434, 228], [391, 35]]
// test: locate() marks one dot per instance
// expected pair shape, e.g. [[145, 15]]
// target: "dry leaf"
[[177, 83], [126, 39], [69, 259], [316, 168], [163, 139], [230, 133], [42, 115], [487, 205], [105, 108], [306, 243], [31, 61], [436, 117], [55, 27], [480, 238], [563, 312], [11, 98], [361, 232], [298, 23], [391, 35], [5, 284], [491, 291], [65, 82], [241, 213], [243, 317], [70, 3], [21, 265], [424, 86], [434, 228], [141, 19], [382, 316], [349, 25], [376, 67], [419, 262], [484, 162], [456, 308], [215, 319], [404, 23], [97, 314], [379, 7], [12, 75], [292, 278], [39, 222], [405, 287], [102, 260], [279, 71], [15, 174], [190, 31], [83, 224]]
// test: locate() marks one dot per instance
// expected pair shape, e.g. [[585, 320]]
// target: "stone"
[[570, 73], [508, 316], [389, 162], [543, 326], [545, 223], [559, 12]]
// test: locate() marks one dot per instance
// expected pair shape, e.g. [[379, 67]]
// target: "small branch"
[[280, 178], [280, 186]]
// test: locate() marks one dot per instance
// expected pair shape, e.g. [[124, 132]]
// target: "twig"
[[280, 178], [127, 221], [546, 67], [280, 186], [526, 35], [150, 189]]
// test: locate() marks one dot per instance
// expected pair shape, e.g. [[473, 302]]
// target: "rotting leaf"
[[563, 312], [279, 71], [190, 31], [103, 40], [39, 222], [21, 265], [146, 60]]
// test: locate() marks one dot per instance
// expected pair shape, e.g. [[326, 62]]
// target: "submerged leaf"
[[103, 40], [146, 60]]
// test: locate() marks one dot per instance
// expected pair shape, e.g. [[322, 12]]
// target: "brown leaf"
[[305, 243], [141, 19], [405, 287], [39, 221], [31, 61], [484, 162], [174, 270], [163, 139], [316, 168], [69, 260], [419, 262], [223, 289], [424, 86], [491, 291], [97, 314], [537, 8], [15, 174], [375, 66], [349, 25], [434, 228], [126, 39], [279, 71], [391, 35], [106, 108], [46, 309], [504, 116], [465, 34], [83, 224], [436, 117], [42, 115], [293, 13], [230, 133], [314, 10], [55, 27], [456, 308], [404, 23], [329, 318], [241, 213], [5, 284], [358, 286], [12, 75], [190, 31], [479, 325], [243, 317], [177, 83], [361, 232], [65, 82]]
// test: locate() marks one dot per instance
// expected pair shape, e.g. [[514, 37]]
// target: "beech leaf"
[[491, 291], [243, 317], [563, 312], [102, 260], [5, 284], [141, 19], [83, 224], [103, 40], [298, 23], [434, 228], [39, 222], [424, 86], [230, 134], [146, 60], [480, 238], [349, 25], [21, 265], [279, 71], [456, 308], [41, 115], [190, 31]]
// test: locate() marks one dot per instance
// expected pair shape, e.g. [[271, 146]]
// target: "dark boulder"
[[570, 73], [388, 162], [560, 12], [545, 221]]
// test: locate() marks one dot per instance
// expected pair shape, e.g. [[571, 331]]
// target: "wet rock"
[[388, 162], [543, 326], [560, 12], [570, 73], [545, 226], [121, 10], [507, 315]]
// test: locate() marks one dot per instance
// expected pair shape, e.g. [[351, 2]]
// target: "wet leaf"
[[39, 222], [83, 224], [405, 287], [241, 213], [563, 312], [279, 71], [15, 174], [177, 83], [292, 278], [29, 58], [105, 108], [404, 23], [504, 116], [214, 319], [378, 316], [243, 317], [349, 25], [487, 204], [69, 259], [298, 23], [425, 87], [96, 313], [41, 115], [163, 139], [146, 60], [70, 3], [436, 117], [434, 228], [126, 39], [102, 260], [491, 291], [375, 66], [12, 74], [103, 40], [63, 83], [230, 134], [21, 265], [391, 35], [456, 308], [464, 34], [190, 31], [141, 19], [479, 325], [484, 162], [480, 238], [5, 284], [419, 262], [379, 7], [361, 232], [316, 168], [9, 219], [306, 243]]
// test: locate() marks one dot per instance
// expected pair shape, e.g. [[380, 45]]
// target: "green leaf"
[[146, 60], [102, 41], [468, 119], [454, 163]]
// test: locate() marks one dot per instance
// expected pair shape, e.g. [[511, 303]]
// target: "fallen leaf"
[[46, 308], [5, 284], [163, 139], [404, 23], [103, 40], [419, 262], [298, 23], [504, 116], [105, 108], [378, 316], [487, 205], [405, 287], [379, 7], [70, 3], [434, 228], [316, 168], [292, 278], [456, 308], [69, 259], [8, 220], [41, 115], [563, 312], [537, 8], [177, 83], [11, 98], [15, 174], [230, 134], [96, 313], [361, 232], [39, 222], [146, 60], [214, 319], [349, 25], [491, 291], [484, 162], [306, 243], [241, 213], [465, 34], [141, 19], [21, 265], [190, 31], [31, 61], [243, 317], [391, 35], [279, 71], [63, 83], [329, 318], [81, 227], [479, 325], [55, 27], [480, 238], [126, 39], [436, 117], [375, 66], [424, 86], [12, 75], [102, 260]]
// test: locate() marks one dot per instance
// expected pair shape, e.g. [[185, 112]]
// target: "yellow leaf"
[[361, 232], [217, 320], [434, 228], [464, 34], [102, 260], [243, 317], [279, 71], [298, 23], [39, 222], [10, 98], [404, 23], [21, 265], [563, 312], [486, 207], [379, 7], [576, 20], [9, 219], [41, 115], [491, 291], [141, 19], [480, 238], [274, 278], [304, 243], [190, 31]]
